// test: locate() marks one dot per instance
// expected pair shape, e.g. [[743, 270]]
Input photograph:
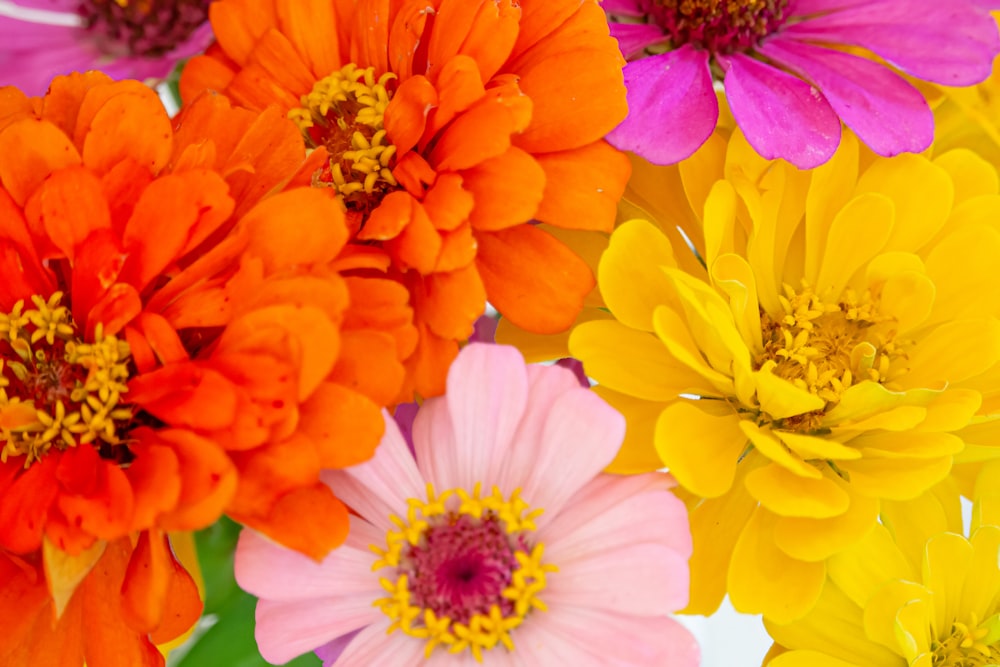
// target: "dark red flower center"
[[462, 568], [144, 27], [719, 26]]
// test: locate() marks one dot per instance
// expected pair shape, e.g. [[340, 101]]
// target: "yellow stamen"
[[345, 112], [58, 391]]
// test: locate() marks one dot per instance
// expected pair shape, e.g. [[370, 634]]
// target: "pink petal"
[[286, 629], [271, 571], [373, 647], [780, 114], [615, 511], [433, 437], [951, 43], [579, 438], [487, 393], [545, 385], [672, 106], [622, 7], [644, 579], [634, 37], [51, 5], [609, 639], [885, 111], [329, 653], [380, 486], [807, 7]]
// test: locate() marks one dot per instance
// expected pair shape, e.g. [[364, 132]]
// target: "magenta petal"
[[885, 111], [622, 7], [951, 43], [672, 106], [634, 37], [780, 114], [807, 7]]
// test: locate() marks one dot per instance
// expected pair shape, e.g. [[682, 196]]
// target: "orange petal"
[[507, 189], [368, 364], [271, 471], [115, 309], [276, 56], [406, 115], [447, 203], [154, 475], [146, 580], [458, 250], [14, 106], [583, 186], [532, 278], [459, 84], [389, 218], [208, 479], [127, 125], [162, 337], [492, 35], [450, 302], [203, 73], [427, 367], [238, 24], [61, 104], [405, 38], [478, 134], [292, 521], [26, 502], [300, 226], [186, 394], [383, 305], [73, 205], [305, 22], [105, 509], [30, 150], [345, 425], [419, 244], [182, 606]]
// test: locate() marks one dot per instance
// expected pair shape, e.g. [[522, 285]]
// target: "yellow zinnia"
[[910, 594], [837, 346]]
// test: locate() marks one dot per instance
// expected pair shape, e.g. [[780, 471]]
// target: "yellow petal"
[[983, 580], [830, 189], [970, 174], [881, 611], [543, 347], [889, 264], [921, 193], [700, 449], [638, 451], [719, 221], [764, 580], [962, 266], [913, 632], [868, 398], [953, 410], [943, 355], [780, 399], [630, 361], [863, 568], [858, 233], [772, 448], [812, 659], [716, 524], [676, 337], [788, 494], [947, 558], [896, 478], [811, 447], [64, 572], [630, 274], [833, 628], [908, 297], [908, 445], [915, 521], [733, 276], [818, 539]]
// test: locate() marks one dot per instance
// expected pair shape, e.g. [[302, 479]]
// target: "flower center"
[[55, 390], [973, 645], [826, 347], [345, 113], [143, 27], [466, 570], [719, 26]]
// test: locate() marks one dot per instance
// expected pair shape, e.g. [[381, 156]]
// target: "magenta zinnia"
[[792, 71], [501, 540], [125, 39]]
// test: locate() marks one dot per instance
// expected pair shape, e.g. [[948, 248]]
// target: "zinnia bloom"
[[792, 71], [125, 39], [912, 593], [831, 354], [502, 541], [448, 126], [134, 284]]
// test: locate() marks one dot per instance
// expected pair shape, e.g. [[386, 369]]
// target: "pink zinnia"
[[788, 75], [502, 541], [125, 39]]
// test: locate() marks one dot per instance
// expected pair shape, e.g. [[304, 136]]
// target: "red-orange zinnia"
[[449, 126], [167, 336]]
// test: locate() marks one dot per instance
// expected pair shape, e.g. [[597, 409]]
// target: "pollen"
[[57, 391], [970, 644], [345, 112], [827, 346], [463, 570]]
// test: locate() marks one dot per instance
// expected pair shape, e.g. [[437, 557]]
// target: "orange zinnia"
[[168, 340], [447, 128]]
